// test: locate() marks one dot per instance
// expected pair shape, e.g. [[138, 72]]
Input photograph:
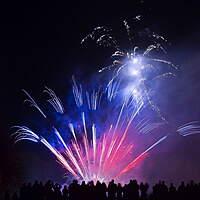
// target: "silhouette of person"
[[65, 193], [91, 190], [119, 192], [144, 188], [181, 191], [133, 190], [112, 190], [172, 192], [100, 191], [74, 190]]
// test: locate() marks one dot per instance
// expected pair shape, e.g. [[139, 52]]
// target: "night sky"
[[40, 46]]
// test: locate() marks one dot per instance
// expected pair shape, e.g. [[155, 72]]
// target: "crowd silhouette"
[[100, 191]]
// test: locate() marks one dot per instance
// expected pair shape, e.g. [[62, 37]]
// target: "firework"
[[138, 60], [189, 128], [100, 136], [99, 147]]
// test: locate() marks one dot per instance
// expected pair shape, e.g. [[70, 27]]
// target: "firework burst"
[[138, 61], [100, 147]]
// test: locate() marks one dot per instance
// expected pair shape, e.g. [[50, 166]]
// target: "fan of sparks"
[[100, 145]]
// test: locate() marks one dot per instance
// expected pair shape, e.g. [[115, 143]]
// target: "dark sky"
[[40, 45]]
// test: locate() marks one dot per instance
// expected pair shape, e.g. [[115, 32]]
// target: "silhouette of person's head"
[[83, 183], [75, 182]]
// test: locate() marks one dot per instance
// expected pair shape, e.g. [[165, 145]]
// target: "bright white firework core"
[[134, 72], [135, 60]]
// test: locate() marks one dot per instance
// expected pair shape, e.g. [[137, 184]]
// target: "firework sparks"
[[137, 61], [91, 154], [105, 120], [189, 128], [141, 156]]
